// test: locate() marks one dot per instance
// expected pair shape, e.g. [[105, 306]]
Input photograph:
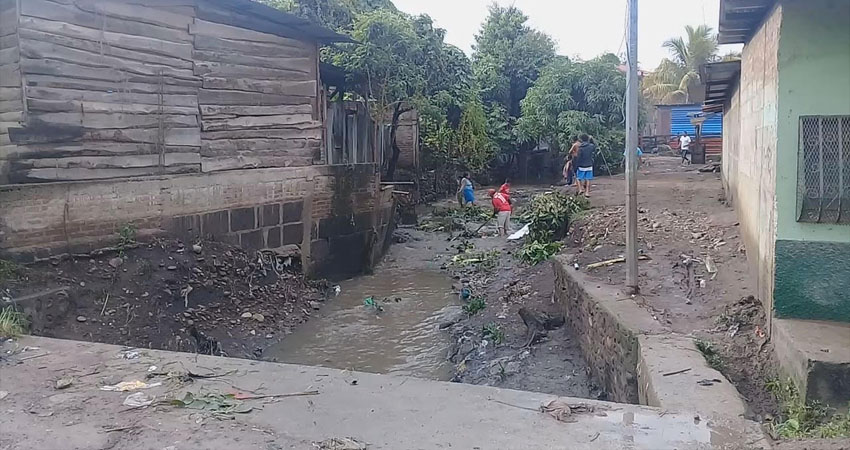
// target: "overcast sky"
[[583, 28]]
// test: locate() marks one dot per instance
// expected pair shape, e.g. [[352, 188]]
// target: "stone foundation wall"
[[332, 213]]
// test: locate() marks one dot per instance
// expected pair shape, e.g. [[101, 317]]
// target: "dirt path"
[[696, 281]]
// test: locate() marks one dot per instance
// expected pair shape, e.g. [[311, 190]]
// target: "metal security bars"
[[823, 170]]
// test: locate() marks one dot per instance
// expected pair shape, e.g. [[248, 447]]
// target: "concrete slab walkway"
[[384, 412]]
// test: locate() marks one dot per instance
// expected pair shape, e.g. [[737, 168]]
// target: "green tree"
[[474, 146], [575, 97], [507, 59], [671, 82]]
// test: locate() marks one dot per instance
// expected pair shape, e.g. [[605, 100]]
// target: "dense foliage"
[[485, 112]]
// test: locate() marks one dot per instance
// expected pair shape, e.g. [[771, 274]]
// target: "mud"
[[209, 298], [683, 221]]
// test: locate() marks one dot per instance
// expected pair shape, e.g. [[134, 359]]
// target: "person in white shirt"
[[684, 146]]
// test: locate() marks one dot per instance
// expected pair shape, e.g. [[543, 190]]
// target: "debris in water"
[[197, 249], [4, 394], [340, 444], [370, 302], [81, 319], [337, 290], [130, 354]]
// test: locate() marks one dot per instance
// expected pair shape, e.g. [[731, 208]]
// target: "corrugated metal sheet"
[[680, 121], [713, 145]]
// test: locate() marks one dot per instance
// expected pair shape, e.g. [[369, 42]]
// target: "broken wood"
[[611, 262], [240, 396], [675, 372]]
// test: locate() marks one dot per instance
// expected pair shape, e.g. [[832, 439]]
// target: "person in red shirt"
[[502, 208], [506, 190]]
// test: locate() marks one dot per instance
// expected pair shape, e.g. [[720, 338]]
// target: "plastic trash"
[[125, 386], [138, 400], [519, 234]]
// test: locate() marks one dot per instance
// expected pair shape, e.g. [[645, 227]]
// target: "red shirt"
[[500, 202]]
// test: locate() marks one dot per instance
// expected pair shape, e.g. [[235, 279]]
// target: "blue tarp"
[[680, 121]]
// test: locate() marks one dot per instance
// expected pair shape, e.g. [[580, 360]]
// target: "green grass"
[[493, 332], [126, 237], [12, 323], [799, 419], [475, 305], [715, 361]]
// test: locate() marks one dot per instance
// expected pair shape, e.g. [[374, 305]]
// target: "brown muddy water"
[[403, 339]]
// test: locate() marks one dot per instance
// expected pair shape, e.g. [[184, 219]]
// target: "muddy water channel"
[[402, 339]]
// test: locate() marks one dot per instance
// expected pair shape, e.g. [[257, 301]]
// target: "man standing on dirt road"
[[584, 164], [502, 208], [685, 147]]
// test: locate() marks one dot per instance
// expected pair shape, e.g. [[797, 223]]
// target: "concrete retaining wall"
[[629, 352]]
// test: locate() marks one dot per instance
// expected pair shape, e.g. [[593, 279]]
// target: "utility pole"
[[632, 82]]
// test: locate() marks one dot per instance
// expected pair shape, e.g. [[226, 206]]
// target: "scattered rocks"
[[315, 305], [197, 249], [171, 268], [258, 317], [81, 319], [451, 315], [247, 315]]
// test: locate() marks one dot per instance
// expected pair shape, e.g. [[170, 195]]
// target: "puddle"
[[401, 340]]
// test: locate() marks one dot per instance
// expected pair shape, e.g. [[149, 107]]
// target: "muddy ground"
[[204, 297], [696, 281]]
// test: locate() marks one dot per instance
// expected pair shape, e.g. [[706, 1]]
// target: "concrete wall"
[[749, 160], [812, 269], [330, 212]]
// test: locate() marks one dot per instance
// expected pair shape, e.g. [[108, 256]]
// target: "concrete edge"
[[630, 353]]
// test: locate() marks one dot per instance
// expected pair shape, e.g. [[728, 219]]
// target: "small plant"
[[535, 252], [475, 305], [715, 361], [126, 237], [494, 333], [549, 215], [800, 419], [8, 270], [12, 322]]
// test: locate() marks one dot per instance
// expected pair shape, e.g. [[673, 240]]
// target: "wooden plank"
[[11, 106], [228, 97], [173, 136], [115, 120], [213, 43], [136, 13], [217, 164], [46, 50], [12, 93], [112, 86], [121, 40], [4, 126], [9, 41], [50, 10], [9, 55], [124, 98], [247, 122], [211, 12], [224, 147], [10, 75], [80, 174], [110, 162], [96, 148], [296, 64], [281, 87], [208, 28], [225, 110], [8, 19], [99, 49], [87, 107], [309, 131], [14, 116], [215, 69]]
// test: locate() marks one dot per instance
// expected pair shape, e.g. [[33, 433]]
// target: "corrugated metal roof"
[[740, 18], [680, 121]]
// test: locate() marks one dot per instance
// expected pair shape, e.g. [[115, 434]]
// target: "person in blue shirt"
[[639, 155]]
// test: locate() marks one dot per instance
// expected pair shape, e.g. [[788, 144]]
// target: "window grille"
[[823, 170]]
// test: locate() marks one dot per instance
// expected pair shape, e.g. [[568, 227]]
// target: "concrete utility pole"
[[632, 82]]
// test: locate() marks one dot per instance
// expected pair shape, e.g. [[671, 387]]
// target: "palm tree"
[[671, 81]]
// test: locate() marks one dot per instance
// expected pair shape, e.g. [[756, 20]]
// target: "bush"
[[549, 215], [535, 252], [475, 305]]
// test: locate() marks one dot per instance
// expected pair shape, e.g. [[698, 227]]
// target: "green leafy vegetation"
[[799, 419], [474, 306], [494, 333], [535, 252], [8, 270], [12, 322], [715, 361], [126, 237]]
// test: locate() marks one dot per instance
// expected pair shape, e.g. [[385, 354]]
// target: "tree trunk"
[[391, 165]]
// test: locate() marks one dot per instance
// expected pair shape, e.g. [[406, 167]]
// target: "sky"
[[581, 28]]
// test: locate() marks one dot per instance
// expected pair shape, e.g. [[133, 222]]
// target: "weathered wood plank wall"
[[98, 89]]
